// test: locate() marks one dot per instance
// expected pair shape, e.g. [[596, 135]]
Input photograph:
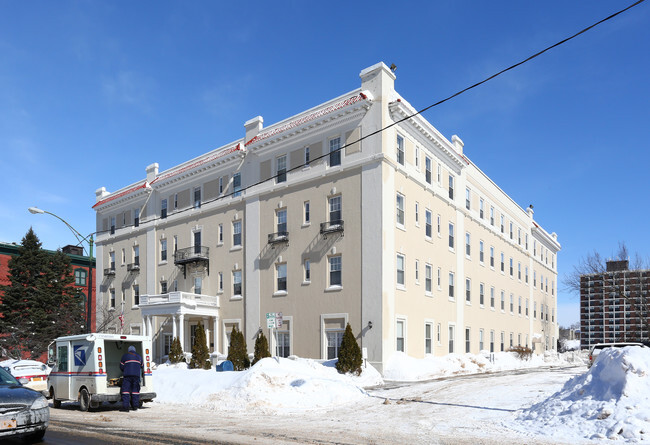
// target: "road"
[[469, 409]]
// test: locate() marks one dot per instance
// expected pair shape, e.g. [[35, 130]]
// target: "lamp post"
[[81, 239]]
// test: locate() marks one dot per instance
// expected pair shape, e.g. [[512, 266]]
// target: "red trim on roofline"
[[119, 195]]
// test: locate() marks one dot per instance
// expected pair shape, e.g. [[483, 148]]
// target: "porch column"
[[144, 325], [216, 335], [174, 334], [206, 327], [181, 334], [149, 328]]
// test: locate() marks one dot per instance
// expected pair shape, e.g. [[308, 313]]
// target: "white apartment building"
[[328, 220]]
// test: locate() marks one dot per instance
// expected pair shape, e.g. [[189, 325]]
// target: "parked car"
[[597, 348], [29, 373], [24, 413]]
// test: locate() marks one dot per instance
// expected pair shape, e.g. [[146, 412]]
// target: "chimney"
[[152, 172], [253, 128], [530, 211], [458, 144], [100, 193]]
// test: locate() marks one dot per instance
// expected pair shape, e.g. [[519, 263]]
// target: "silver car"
[[24, 413]]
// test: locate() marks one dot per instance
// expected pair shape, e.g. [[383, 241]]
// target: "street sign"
[[278, 320], [270, 320]]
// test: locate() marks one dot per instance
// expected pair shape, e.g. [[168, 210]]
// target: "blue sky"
[[93, 92]]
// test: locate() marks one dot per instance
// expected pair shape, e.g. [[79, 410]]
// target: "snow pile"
[[272, 384], [611, 400], [401, 367]]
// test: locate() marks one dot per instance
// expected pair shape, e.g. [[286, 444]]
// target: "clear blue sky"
[[92, 92]]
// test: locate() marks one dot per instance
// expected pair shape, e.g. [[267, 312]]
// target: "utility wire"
[[537, 54]]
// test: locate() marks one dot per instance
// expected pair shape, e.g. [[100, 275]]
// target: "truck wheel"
[[84, 399], [55, 403]]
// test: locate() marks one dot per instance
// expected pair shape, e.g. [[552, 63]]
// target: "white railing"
[[179, 297]]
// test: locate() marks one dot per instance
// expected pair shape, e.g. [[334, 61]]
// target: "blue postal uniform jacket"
[[131, 366]]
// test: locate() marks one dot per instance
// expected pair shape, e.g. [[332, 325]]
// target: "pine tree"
[[176, 351], [200, 354], [261, 347], [40, 302], [349, 353], [237, 350]]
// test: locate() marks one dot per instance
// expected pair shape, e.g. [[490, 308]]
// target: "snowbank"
[[404, 368], [272, 384], [611, 400]]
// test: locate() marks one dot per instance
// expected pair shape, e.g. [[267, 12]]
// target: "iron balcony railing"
[[191, 254], [331, 227], [278, 237]]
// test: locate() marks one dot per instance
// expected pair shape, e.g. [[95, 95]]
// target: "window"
[[503, 262], [428, 272], [503, 341], [197, 197], [519, 271], [307, 268], [417, 272], [451, 186], [220, 281], [136, 217], [335, 270], [112, 297], [526, 242], [136, 294], [512, 304], [428, 332], [503, 300], [220, 234], [439, 279], [467, 340], [519, 306], [491, 341], [80, 277], [480, 340], [519, 236], [400, 149], [417, 158], [467, 244], [197, 242], [335, 209], [236, 233], [526, 308], [502, 224], [526, 274], [451, 285], [511, 230], [307, 157], [163, 208], [399, 334], [281, 174], [112, 225], [535, 309], [511, 340], [111, 260], [439, 174], [198, 284], [492, 257], [427, 169], [468, 199], [281, 273], [534, 247], [281, 216], [417, 214], [491, 216], [427, 226], [334, 339], [534, 278], [439, 226], [439, 334], [481, 294], [175, 201], [307, 215], [400, 210], [136, 255], [220, 185], [163, 287], [512, 267], [400, 270], [481, 253], [481, 204], [335, 152], [452, 334], [283, 344], [468, 290], [236, 283], [492, 297], [451, 236], [163, 250], [236, 184]]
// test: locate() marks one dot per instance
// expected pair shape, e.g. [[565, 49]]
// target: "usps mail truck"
[[86, 368]]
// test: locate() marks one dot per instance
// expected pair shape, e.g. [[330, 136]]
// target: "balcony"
[[331, 227], [133, 267], [179, 302], [192, 255], [110, 272], [278, 237]]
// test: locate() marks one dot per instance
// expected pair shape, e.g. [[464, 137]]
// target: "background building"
[[78, 260], [328, 220], [614, 305]]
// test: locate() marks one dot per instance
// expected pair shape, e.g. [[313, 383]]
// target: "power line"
[[537, 54]]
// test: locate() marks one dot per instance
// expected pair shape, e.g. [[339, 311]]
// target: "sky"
[[92, 92]]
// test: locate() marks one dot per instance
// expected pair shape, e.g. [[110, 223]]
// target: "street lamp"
[[81, 239]]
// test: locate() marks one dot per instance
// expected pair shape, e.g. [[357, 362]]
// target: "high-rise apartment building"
[[615, 305], [325, 219]]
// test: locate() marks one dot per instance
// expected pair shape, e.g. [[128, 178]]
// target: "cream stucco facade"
[[326, 219]]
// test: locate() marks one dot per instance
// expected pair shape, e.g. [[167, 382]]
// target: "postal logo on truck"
[[79, 355]]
